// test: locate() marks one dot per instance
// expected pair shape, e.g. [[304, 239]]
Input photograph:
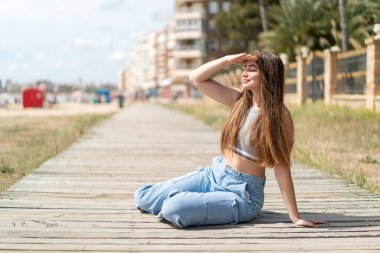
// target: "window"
[[226, 6], [213, 45], [213, 7], [211, 25], [188, 25]]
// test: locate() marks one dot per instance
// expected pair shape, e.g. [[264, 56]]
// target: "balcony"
[[183, 69], [193, 65], [188, 54], [196, 46], [188, 13], [185, 34], [188, 51], [189, 10], [181, 73]]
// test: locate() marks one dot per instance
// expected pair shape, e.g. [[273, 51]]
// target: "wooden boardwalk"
[[82, 199]]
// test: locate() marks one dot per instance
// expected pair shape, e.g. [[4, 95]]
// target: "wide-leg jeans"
[[218, 194]]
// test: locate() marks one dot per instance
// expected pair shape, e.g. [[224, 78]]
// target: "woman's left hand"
[[307, 223]]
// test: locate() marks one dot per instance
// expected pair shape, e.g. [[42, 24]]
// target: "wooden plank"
[[14, 224], [126, 241], [147, 246], [82, 199]]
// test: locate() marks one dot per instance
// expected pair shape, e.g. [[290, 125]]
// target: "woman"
[[258, 134]]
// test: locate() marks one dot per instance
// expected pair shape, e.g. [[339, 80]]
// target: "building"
[[138, 77], [165, 57], [165, 60], [123, 79], [196, 40], [151, 62]]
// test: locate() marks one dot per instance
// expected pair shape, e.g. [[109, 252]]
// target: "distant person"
[[175, 96], [258, 134], [120, 99]]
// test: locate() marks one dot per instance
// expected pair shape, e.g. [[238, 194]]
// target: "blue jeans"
[[218, 194]]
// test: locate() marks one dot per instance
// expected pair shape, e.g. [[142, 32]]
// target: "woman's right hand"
[[202, 79], [240, 58]]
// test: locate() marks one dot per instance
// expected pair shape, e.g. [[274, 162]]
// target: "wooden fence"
[[349, 78]]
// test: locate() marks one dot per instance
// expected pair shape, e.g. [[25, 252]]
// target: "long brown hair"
[[268, 137]]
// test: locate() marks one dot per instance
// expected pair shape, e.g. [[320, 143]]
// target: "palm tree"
[[343, 23], [318, 25], [361, 16], [240, 26], [263, 15], [297, 23]]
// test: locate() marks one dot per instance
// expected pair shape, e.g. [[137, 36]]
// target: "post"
[[373, 71], [301, 79], [330, 71], [313, 74]]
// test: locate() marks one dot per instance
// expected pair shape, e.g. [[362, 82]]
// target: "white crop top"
[[243, 146]]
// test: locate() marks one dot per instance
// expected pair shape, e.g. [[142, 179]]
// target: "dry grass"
[[339, 140], [26, 142]]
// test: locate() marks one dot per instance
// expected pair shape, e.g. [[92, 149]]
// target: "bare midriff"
[[243, 164]]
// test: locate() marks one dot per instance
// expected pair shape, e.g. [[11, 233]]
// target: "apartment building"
[[186, 42], [196, 40], [151, 61], [137, 73], [164, 55], [123, 79]]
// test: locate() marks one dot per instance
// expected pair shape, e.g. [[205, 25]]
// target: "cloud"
[[162, 15], [41, 56], [118, 55], [11, 5], [19, 56], [112, 5], [25, 66], [58, 63], [81, 42], [106, 28], [48, 60], [137, 35], [56, 37]]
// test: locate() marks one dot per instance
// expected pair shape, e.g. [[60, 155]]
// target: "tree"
[[240, 26], [296, 23], [343, 23], [263, 15], [361, 16]]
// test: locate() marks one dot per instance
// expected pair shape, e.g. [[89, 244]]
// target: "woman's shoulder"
[[289, 126], [288, 118], [286, 111]]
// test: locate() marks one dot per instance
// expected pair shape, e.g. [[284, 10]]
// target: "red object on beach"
[[33, 97]]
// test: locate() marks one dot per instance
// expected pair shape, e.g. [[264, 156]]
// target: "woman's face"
[[251, 76]]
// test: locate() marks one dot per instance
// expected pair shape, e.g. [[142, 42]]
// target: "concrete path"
[[82, 199]]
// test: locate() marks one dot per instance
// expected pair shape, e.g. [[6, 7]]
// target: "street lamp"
[[335, 48], [284, 58], [376, 29], [304, 51]]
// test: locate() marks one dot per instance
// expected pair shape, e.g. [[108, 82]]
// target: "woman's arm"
[[285, 182], [284, 179], [201, 78]]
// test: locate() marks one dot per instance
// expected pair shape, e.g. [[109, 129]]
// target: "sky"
[[68, 40]]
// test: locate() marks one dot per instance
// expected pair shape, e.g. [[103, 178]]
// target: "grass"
[[342, 141], [26, 142]]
